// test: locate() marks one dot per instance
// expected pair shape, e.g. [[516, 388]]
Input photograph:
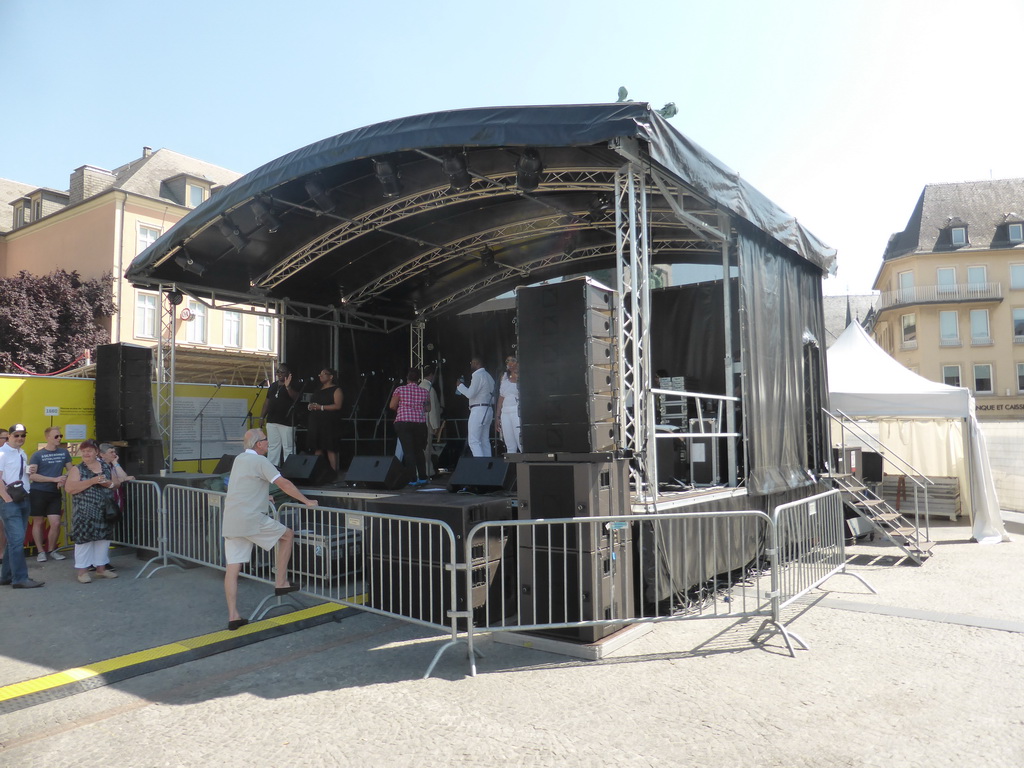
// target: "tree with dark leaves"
[[47, 322]]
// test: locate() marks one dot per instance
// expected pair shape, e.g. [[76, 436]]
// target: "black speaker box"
[[384, 472], [304, 469], [224, 464], [483, 473], [124, 402]]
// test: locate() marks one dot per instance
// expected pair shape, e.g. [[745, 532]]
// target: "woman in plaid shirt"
[[411, 403]]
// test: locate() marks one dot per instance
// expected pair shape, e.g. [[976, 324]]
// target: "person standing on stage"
[[246, 524], [46, 471], [324, 425], [411, 403], [278, 414], [507, 417], [480, 394], [14, 484], [433, 415]]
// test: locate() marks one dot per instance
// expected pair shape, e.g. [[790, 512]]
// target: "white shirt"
[[480, 390], [248, 491], [11, 459]]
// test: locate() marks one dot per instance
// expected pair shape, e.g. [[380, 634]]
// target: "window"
[[983, 378], [1018, 326], [946, 279], [37, 210], [906, 287], [196, 333], [146, 306], [1020, 377], [1015, 233], [958, 235], [1017, 276], [196, 195], [979, 327], [264, 333], [21, 216], [951, 375], [909, 331], [232, 329], [949, 329], [147, 236], [977, 276]]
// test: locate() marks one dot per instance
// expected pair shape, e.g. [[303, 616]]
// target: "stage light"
[[319, 196], [600, 203], [388, 176], [487, 257], [175, 297], [264, 216], [529, 169], [232, 234], [189, 265], [454, 166]]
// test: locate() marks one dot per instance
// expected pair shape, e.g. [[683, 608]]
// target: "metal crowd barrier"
[[583, 577], [808, 547]]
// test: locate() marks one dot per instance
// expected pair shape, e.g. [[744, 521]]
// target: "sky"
[[838, 111]]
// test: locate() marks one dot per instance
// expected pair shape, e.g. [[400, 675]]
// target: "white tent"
[[920, 416]]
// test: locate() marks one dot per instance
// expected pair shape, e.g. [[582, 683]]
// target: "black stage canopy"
[[426, 215]]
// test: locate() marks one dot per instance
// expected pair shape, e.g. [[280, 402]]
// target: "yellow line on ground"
[[57, 679]]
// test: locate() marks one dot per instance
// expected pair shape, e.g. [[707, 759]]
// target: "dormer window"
[[1015, 233], [196, 195], [958, 235], [186, 189]]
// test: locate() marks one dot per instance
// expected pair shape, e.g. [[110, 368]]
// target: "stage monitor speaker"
[[451, 453], [871, 465], [224, 464], [304, 469], [483, 473], [384, 472]]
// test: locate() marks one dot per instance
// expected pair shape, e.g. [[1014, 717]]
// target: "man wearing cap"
[[246, 524], [14, 488]]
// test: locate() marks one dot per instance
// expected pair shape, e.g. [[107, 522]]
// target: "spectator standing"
[[14, 492], [46, 471], [91, 484]]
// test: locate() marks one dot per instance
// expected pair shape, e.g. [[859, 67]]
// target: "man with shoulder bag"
[[14, 488]]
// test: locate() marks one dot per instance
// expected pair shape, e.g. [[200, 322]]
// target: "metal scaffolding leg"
[[164, 372], [416, 343]]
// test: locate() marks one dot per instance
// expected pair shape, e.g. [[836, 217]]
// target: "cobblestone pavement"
[[912, 676]]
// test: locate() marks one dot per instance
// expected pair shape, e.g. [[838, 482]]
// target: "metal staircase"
[[883, 518]]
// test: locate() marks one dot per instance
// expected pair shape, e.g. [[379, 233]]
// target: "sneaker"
[[57, 555], [41, 557], [107, 574], [85, 578], [27, 584]]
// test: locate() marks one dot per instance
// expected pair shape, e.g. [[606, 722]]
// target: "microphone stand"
[[355, 413], [247, 419], [199, 418], [383, 411]]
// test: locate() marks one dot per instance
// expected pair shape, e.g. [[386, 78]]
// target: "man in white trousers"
[[480, 394]]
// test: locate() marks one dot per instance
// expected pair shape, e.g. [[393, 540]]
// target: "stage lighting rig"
[[389, 177], [319, 196], [529, 170], [187, 264], [454, 166], [265, 216], [232, 234]]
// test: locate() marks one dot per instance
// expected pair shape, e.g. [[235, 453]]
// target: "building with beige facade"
[[952, 292], [104, 220]]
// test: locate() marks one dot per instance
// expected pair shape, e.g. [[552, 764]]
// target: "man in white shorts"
[[245, 522]]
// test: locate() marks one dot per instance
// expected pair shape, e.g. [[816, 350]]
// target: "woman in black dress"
[[325, 418]]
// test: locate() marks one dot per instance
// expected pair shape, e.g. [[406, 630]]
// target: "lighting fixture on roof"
[[388, 176], [264, 216], [454, 166], [487, 257], [175, 297], [600, 203], [319, 196], [232, 234], [529, 169], [188, 265]]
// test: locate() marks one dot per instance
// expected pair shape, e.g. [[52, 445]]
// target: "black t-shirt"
[[279, 410]]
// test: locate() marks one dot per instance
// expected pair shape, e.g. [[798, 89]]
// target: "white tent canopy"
[[864, 382]]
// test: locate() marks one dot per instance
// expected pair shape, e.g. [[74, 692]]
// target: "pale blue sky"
[[839, 111]]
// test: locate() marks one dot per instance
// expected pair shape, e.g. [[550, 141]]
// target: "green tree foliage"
[[48, 321]]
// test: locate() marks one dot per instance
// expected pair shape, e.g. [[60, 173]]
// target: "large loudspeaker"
[[384, 472], [451, 453], [225, 463], [124, 401], [483, 473], [568, 337], [304, 469]]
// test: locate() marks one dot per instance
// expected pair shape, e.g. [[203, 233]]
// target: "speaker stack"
[[571, 465], [124, 405]]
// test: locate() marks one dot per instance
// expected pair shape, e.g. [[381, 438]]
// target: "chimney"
[[88, 181], [147, 151]]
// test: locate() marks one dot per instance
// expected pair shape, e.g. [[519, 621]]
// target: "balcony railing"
[[940, 294]]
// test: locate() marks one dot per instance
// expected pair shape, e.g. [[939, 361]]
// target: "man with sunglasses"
[[46, 471], [14, 487]]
